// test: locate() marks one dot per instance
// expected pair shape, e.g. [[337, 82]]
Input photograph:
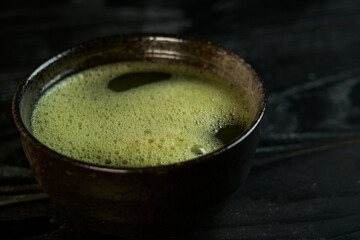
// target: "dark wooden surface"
[[305, 183]]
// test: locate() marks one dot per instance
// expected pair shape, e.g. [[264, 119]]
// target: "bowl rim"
[[24, 132]]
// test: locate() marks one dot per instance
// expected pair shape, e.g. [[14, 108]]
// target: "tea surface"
[[139, 114]]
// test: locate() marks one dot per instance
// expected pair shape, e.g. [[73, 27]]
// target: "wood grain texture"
[[305, 183]]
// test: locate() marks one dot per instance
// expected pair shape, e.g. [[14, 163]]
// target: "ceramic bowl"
[[138, 202]]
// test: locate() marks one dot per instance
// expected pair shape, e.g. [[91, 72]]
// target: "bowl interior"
[[143, 47]]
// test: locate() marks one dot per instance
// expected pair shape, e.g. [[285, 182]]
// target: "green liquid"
[[227, 134], [132, 80], [139, 114]]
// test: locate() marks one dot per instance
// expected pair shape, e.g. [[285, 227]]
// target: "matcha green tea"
[[139, 114]]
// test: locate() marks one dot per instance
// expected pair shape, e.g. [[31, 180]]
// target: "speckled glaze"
[[150, 201]]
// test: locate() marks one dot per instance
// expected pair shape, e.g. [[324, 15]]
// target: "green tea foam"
[[159, 123]]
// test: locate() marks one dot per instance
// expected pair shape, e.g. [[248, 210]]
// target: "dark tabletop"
[[305, 183]]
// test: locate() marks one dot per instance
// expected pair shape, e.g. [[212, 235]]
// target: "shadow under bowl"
[[149, 201]]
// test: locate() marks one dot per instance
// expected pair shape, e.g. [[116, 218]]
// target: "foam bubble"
[[159, 123]]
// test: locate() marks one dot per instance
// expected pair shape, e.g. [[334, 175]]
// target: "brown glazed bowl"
[[149, 201]]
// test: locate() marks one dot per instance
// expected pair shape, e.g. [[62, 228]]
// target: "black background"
[[305, 183]]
